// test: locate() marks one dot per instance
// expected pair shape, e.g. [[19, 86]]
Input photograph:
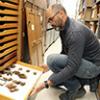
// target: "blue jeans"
[[87, 70]]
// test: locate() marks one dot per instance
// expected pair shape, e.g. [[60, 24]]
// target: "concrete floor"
[[52, 93]]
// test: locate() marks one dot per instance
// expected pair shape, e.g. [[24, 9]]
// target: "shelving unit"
[[89, 12]]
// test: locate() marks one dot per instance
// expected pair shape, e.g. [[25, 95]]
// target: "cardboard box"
[[94, 12], [87, 14]]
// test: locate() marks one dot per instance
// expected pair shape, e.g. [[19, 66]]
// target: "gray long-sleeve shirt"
[[78, 42]]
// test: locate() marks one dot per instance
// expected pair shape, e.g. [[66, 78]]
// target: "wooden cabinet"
[[9, 32]]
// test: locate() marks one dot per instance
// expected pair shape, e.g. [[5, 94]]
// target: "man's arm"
[[75, 51]]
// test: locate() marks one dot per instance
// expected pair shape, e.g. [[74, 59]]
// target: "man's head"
[[56, 16]]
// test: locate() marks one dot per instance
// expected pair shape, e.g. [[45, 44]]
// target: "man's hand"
[[45, 67], [40, 87], [37, 89]]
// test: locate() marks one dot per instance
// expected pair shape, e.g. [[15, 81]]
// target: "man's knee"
[[50, 61], [56, 62]]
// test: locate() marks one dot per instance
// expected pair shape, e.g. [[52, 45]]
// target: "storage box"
[[89, 3], [94, 12], [87, 14]]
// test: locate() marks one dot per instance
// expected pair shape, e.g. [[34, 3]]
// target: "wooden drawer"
[[8, 32], [8, 12], [8, 25], [7, 4], [11, 1], [32, 73]]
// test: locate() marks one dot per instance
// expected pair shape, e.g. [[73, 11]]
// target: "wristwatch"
[[46, 84]]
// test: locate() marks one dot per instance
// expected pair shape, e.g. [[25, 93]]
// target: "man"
[[79, 59]]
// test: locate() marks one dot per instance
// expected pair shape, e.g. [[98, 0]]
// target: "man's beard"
[[59, 26]]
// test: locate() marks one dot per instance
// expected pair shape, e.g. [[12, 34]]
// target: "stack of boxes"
[[88, 12]]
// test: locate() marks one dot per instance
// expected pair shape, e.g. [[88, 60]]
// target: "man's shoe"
[[67, 96], [72, 95], [80, 93]]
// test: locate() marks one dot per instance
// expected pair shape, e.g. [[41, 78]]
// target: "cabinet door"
[[34, 28]]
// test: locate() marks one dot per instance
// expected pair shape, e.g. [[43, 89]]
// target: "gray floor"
[[51, 93]]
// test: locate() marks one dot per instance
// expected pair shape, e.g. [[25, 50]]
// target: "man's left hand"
[[37, 89]]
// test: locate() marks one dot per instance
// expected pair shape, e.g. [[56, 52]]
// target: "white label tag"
[[32, 27]]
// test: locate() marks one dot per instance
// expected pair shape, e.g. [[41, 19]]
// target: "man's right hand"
[[45, 67]]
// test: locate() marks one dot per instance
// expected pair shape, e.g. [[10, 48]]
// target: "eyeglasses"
[[51, 18]]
